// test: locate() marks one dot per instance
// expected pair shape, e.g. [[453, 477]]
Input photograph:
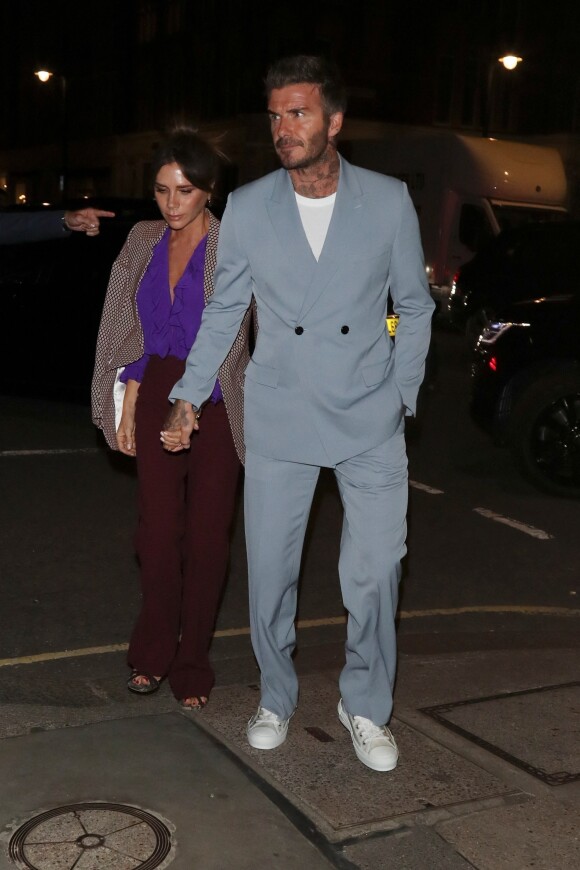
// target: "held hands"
[[183, 419], [86, 220]]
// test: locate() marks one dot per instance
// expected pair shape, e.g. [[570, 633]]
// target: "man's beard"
[[314, 153]]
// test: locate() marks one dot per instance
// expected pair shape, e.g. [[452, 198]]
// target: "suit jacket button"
[[344, 329], [299, 330]]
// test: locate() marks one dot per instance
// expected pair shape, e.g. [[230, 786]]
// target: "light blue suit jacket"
[[326, 382]]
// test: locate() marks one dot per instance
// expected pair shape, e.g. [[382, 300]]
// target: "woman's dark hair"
[[197, 158], [312, 70]]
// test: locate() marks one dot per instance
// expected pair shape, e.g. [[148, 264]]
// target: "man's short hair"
[[313, 70]]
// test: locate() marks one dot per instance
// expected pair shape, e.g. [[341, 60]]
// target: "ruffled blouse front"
[[169, 329]]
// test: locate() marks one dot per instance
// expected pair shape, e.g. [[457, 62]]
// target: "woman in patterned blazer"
[[159, 285]]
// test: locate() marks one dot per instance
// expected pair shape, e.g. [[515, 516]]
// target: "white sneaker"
[[266, 730], [374, 745]]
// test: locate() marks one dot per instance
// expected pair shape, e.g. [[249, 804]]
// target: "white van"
[[465, 189]]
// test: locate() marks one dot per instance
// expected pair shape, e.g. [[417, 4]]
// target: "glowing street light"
[[509, 62], [43, 75]]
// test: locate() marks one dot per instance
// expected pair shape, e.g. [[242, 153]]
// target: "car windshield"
[[511, 216]]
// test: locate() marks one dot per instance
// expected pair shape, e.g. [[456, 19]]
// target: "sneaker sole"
[[259, 743], [362, 756]]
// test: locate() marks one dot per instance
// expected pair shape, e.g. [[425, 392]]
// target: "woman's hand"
[[126, 432]]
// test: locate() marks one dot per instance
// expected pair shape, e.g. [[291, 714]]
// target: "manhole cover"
[[91, 836]]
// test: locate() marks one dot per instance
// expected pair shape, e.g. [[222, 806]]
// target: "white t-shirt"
[[315, 215]]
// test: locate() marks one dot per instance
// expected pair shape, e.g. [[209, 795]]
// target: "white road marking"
[[522, 609], [514, 524], [56, 452], [424, 488]]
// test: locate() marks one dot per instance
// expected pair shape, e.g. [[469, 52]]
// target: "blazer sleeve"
[[31, 227], [112, 328], [222, 315], [412, 302]]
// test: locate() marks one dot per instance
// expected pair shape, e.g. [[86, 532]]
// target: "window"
[[174, 16], [444, 94], [474, 227], [470, 77], [147, 22]]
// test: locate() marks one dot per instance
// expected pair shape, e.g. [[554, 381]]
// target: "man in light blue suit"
[[320, 244]]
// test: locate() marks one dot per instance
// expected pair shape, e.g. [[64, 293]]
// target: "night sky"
[[130, 65]]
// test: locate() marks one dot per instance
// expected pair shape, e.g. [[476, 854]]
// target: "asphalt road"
[[492, 562]]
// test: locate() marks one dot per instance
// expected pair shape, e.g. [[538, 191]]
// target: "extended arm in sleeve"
[[412, 302], [221, 318], [31, 227]]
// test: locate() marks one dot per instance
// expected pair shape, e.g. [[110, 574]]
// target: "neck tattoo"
[[319, 180]]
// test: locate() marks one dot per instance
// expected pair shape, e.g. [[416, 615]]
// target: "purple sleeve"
[[217, 395], [135, 370]]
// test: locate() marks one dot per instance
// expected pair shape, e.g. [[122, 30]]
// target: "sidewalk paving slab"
[[166, 766], [450, 805], [539, 835], [417, 848], [317, 770]]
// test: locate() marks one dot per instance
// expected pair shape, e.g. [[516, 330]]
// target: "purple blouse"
[[169, 329]]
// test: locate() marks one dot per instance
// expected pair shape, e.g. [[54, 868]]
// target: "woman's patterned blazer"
[[120, 338]]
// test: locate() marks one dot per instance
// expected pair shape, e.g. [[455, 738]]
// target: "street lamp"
[[44, 76], [509, 62]]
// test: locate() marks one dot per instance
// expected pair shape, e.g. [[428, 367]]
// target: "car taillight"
[[493, 364], [454, 284]]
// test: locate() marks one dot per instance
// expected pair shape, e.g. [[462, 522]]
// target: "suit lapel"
[[346, 217], [285, 218], [315, 276]]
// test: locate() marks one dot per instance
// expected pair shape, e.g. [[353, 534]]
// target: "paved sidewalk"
[[489, 776]]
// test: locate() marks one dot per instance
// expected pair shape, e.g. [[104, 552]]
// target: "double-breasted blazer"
[[325, 382], [120, 337]]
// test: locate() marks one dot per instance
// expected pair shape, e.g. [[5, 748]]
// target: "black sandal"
[[142, 688], [194, 708]]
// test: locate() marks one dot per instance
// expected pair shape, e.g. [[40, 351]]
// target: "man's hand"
[[181, 422], [86, 220]]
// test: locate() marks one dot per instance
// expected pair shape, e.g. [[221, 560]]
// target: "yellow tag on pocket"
[[392, 322]]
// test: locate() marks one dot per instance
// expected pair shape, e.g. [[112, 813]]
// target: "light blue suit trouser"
[[278, 495]]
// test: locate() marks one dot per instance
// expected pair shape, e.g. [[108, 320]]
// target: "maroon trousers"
[[186, 505]]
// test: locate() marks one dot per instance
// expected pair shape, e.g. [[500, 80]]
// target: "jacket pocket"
[[262, 374], [383, 253], [375, 373]]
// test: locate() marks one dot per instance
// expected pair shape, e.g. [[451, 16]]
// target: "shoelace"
[[368, 730], [267, 716]]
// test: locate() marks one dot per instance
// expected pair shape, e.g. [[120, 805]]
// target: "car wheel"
[[545, 433]]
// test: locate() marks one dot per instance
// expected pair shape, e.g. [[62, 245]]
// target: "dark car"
[[526, 387], [51, 298], [526, 262]]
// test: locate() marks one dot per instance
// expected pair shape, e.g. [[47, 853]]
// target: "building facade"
[[124, 72]]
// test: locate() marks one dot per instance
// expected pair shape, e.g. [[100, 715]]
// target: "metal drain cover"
[[91, 836]]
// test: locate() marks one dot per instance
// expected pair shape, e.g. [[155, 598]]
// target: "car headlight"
[[494, 328]]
